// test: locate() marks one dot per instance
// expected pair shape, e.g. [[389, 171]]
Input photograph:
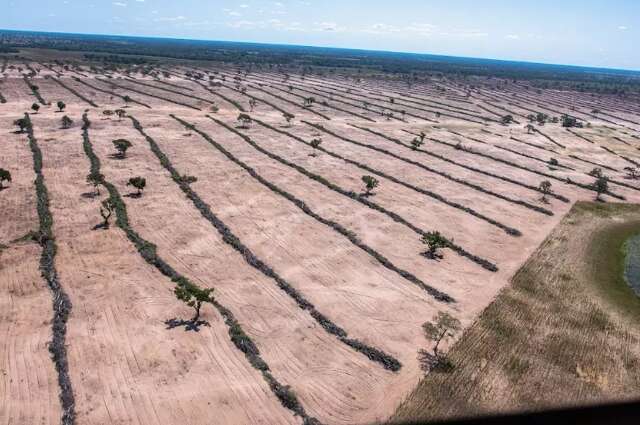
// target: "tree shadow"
[[432, 256], [117, 156], [99, 226], [133, 195], [429, 362], [90, 195], [189, 325]]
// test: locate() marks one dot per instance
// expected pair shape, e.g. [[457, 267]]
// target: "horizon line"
[[263, 43]]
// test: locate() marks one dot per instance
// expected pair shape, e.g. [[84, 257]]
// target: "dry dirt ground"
[[356, 259]]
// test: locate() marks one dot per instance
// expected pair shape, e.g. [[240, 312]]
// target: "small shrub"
[[370, 183], [66, 122], [139, 183], [601, 185], [315, 143], [121, 113], [35, 107], [193, 297], [545, 189], [95, 180], [632, 173], [434, 241], [244, 120], [4, 176], [106, 210], [22, 123], [61, 105], [416, 143]]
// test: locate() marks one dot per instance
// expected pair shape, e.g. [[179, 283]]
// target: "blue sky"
[[588, 32]]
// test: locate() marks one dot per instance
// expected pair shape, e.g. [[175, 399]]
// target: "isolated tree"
[[66, 122], [139, 183], [22, 123], [4, 176], [438, 114], [244, 120], [121, 146], [120, 113], [554, 162], [95, 179], [193, 297], [107, 113], [106, 210], [601, 185], [214, 109], [507, 119], [35, 107], [127, 99], [596, 172], [252, 104], [530, 128], [416, 143], [545, 189], [61, 105], [288, 117], [370, 183], [309, 101], [315, 143], [632, 173], [434, 241], [442, 327]]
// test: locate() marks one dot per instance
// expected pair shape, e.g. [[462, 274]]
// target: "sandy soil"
[[126, 367]]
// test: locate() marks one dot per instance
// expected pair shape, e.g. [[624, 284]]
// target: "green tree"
[[315, 143], [61, 105], [35, 107], [106, 210], [121, 113], [244, 120], [545, 189], [122, 145], [601, 185], [193, 297], [596, 172], [288, 117], [442, 327], [252, 104], [530, 128], [139, 183], [370, 183], [632, 173], [95, 180], [66, 122], [434, 241], [4, 176], [507, 119], [416, 143], [127, 99], [22, 123]]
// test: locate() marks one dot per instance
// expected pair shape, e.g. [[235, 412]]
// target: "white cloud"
[[119, 4], [171, 19], [623, 28], [512, 37]]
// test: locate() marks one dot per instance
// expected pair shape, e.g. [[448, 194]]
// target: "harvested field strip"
[[533, 145], [356, 197], [626, 158], [352, 237], [61, 302], [190, 96], [606, 167], [228, 237], [74, 92], [109, 82], [326, 104], [177, 86], [148, 252], [258, 99], [433, 195], [522, 167], [294, 103], [535, 158], [34, 90], [549, 139], [112, 93], [236, 104], [440, 173]]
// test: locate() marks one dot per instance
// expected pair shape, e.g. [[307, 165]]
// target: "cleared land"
[[321, 291]]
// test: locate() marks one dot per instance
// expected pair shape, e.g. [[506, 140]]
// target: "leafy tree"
[[106, 210], [193, 297], [416, 143], [288, 117], [545, 189], [434, 241], [22, 123], [309, 101], [438, 114], [596, 172], [315, 143], [632, 173], [122, 145], [244, 120], [95, 180], [127, 99], [214, 109], [530, 128], [601, 185], [120, 113], [61, 105], [370, 183], [35, 107], [139, 183], [4, 176], [66, 122], [442, 327], [507, 119], [554, 162], [252, 104]]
